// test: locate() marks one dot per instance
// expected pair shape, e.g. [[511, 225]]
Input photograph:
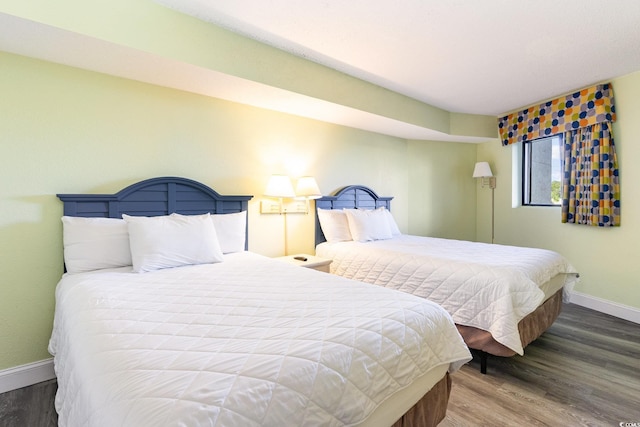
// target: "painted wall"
[[607, 258], [66, 130], [443, 193]]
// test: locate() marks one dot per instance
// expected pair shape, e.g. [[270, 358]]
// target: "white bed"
[[485, 287], [490, 287], [242, 341]]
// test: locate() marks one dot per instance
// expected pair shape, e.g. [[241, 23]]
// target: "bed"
[[161, 321], [501, 297]]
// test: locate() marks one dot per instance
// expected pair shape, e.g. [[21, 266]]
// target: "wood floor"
[[584, 371]]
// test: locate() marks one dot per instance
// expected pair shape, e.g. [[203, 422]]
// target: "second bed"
[[501, 297]]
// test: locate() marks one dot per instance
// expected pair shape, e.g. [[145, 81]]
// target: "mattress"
[[485, 286], [249, 341]]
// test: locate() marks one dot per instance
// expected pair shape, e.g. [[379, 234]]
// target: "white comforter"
[[487, 286], [246, 342]]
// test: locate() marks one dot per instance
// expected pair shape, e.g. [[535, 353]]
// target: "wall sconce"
[[482, 170], [307, 189], [279, 187]]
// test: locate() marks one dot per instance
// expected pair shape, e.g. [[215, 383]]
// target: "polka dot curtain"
[[580, 109], [590, 183]]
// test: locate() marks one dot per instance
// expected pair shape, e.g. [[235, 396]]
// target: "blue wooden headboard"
[[154, 197], [350, 197]]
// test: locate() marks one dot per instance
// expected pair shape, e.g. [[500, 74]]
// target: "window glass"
[[541, 171]]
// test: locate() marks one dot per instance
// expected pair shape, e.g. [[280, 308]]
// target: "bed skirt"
[[431, 409], [530, 328]]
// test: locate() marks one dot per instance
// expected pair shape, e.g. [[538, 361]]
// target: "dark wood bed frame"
[[166, 195], [480, 342]]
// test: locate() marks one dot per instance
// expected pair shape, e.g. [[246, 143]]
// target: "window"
[[541, 171]]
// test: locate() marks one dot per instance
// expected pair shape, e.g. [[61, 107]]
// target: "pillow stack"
[[150, 243], [360, 225], [172, 241]]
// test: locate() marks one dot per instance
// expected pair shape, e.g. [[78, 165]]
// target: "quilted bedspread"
[[487, 286], [249, 341]]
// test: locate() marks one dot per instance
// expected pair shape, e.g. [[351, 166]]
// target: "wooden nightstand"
[[314, 262]]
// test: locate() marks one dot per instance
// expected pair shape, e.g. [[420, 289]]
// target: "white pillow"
[[171, 241], [334, 224], [395, 231], [94, 243], [231, 230], [366, 225]]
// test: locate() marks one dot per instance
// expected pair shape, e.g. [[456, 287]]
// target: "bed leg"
[[483, 362], [483, 356]]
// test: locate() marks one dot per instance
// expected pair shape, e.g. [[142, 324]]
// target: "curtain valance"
[[577, 110]]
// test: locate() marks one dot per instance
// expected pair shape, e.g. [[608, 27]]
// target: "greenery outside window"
[[541, 171]]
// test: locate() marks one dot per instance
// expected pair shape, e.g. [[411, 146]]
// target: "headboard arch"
[[154, 197], [349, 197]]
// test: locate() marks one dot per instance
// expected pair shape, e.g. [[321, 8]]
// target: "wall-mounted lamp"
[[279, 187], [482, 170], [307, 189]]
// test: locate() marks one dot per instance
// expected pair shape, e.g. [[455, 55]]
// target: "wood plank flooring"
[[584, 371], [30, 406]]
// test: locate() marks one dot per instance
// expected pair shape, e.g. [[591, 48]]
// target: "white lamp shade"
[[482, 170], [307, 188], [279, 186]]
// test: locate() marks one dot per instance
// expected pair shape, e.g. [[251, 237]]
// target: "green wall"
[[66, 130], [443, 193], [607, 258]]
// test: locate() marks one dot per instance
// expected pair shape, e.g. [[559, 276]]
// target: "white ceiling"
[[485, 57], [469, 56]]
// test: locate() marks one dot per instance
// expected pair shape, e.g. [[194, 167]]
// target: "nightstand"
[[314, 262]]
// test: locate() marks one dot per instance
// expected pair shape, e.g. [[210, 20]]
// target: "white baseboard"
[[621, 311], [26, 375]]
